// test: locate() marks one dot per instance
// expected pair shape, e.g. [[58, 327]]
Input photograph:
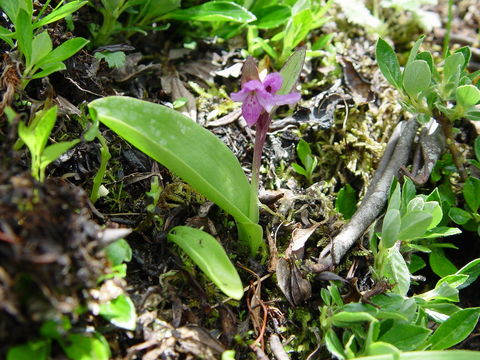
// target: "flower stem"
[[260, 136]]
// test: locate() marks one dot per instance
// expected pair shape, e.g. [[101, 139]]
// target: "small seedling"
[[40, 58], [35, 136], [308, 161]]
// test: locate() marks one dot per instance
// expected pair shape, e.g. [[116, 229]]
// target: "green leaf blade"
[[210, 257], [455, 329], [416, 78], [175, 141], [388, 63]]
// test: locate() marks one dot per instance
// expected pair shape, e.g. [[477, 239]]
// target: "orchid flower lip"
[[259, 97]]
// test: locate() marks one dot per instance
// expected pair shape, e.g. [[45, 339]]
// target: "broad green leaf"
[[414, 225], [416, 263], [38, 350], [455, 329], [86, 347], [453, 66], [119, 252], [405, 336], [416, 204], [397, 270], [213, 11], [416, 78], [272, 16], [471, 193], [24, 35], [427, 355], [391, 228], [427, 56], [346, 202], [459, 216], [47, 70], [291, 71], [467, 96], [210, 257], [414, 51], [388, 63], [64, 51], [41, 46], [120, 312], [434, 209], [187, 149], [467, 54], [440, 263], [59, 13]]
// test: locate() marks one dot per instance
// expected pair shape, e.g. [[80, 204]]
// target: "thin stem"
[[448, 27]]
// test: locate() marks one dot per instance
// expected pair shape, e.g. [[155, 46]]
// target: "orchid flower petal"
[[291, 98], [240, 96], [273, 82], [266, 99], [251, 109]]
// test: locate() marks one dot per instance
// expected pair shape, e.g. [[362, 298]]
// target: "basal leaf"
[[187, 149], [210, 257]]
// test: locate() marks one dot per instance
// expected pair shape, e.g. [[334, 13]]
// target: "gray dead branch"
[[395, 156]]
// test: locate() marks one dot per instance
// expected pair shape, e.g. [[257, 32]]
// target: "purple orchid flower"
[[259, 97], [259, 100]]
